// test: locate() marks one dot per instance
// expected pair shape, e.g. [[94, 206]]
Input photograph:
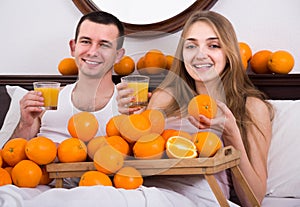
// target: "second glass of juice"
[[140, 85]]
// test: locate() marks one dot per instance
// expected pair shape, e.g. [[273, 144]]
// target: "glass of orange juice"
[[50, 91], [140, 85]]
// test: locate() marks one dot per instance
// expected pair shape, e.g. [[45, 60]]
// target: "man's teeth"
[[91, 62]]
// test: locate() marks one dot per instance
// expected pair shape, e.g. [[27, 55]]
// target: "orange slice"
[[180, 147]]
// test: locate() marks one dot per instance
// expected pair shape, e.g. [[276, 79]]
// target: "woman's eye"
[[214, 46], [190, 46]]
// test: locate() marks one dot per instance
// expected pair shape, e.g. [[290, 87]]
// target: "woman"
[[208, 62]]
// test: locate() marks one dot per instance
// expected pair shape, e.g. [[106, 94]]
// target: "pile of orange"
[[154, 62], [24, 161], [265, 61]]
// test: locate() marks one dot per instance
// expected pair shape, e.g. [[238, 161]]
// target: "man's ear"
[[72, 47], [120, 54]]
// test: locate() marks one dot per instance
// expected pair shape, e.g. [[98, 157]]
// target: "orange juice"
[[50, 91], [140, 93], [50, 96]]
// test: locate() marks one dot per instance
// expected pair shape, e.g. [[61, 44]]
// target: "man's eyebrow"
[[101, 41]]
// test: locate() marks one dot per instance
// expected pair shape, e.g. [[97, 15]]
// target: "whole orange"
[[133, 126], [94, 144], [5, 177], [207, 143], [167, 133], [14, 151], [41, 150], [119, 144], [67, 66], [202, 104], [26, 174], [125, 66], [72, 150], [140, 64], [157, 120], [155, 61], [113, 125], [83, 125], [170, 60], [245, 50], [91, 178], [108, 160], [128, 178], [45, 179], [281, 62], [149, 146], [259, 62]]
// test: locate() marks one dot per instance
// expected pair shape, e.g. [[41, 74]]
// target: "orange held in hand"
[[83, 125], [128, 178], [281, 62], [72, 150], [125, 66], [202, 104], [91, 178], [67, 66], [207, 143], [41, 150]]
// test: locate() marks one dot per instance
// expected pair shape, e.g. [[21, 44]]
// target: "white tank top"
[[54, 124]]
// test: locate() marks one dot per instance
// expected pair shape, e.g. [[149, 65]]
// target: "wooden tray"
[[225, 158]]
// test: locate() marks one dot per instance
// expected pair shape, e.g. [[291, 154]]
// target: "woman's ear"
[[72, 47], [120, 54]]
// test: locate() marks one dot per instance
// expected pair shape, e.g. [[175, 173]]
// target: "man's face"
[[95, 50]]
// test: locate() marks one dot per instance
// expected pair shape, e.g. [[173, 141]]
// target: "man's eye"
[[85, 42]]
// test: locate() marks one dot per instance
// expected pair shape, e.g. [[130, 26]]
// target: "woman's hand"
[[224, 122]]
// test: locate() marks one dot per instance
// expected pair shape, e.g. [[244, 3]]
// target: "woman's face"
[[203, 56]]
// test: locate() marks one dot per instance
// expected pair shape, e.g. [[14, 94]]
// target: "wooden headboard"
[[276, 86]]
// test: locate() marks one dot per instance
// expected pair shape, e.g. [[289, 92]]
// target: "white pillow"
[[13, 114], [284, 154]]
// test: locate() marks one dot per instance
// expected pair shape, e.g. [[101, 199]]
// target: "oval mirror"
[[147, 24]]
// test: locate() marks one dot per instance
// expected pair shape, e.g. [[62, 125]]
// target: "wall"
[[35, 34]]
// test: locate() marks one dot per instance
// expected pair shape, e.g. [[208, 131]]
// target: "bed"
[[283, 92]]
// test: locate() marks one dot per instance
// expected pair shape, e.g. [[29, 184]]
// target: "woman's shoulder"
[[258, 106]]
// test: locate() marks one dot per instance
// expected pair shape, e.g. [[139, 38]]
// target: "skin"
[[95, 51], [204, 60]]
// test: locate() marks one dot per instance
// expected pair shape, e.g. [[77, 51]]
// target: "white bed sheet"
[[280, 202]]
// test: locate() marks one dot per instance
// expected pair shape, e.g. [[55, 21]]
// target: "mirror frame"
[[170, 25]]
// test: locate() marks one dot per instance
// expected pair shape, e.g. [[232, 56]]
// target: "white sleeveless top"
[[54, 124]]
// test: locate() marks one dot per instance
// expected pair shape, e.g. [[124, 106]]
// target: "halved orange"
[[180, 147]]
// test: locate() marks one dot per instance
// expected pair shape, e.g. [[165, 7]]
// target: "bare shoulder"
[[257, 106], [160, 99]]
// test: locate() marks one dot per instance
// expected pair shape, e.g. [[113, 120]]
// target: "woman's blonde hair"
[[236, 83]]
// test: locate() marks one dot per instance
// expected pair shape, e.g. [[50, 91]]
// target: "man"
[[97, 46]]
